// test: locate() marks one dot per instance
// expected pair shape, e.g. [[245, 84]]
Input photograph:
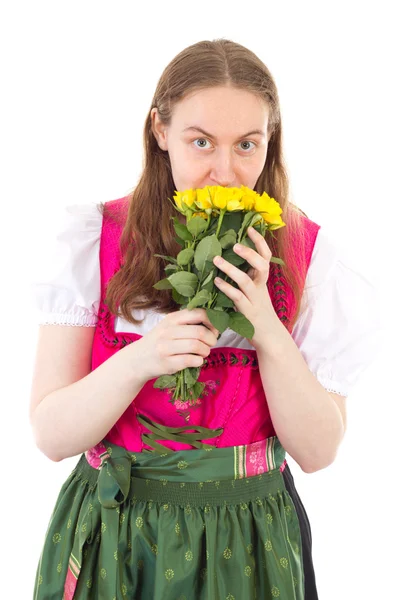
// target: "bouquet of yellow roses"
[[216, 219]]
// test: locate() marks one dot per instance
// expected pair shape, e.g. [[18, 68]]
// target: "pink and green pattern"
[[258, 457], [74, 568]]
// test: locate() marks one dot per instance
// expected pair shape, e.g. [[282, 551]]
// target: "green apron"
[[174, 525]]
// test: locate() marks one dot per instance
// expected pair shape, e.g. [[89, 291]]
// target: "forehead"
[[220, 110]]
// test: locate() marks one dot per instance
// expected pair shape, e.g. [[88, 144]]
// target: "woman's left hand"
[[252, 299]]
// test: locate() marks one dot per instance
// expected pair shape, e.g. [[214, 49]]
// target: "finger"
[[255, 260], [199, 332], [186, 345], [233, 272], [260, 243], [207, 323], [238, 297], [195, 316]]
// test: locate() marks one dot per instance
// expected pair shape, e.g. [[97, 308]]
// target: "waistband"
[[199, 475]]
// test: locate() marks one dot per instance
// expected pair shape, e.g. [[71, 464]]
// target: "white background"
[[77, 80]]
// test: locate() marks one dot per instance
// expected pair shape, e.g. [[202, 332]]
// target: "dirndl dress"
[[158, 510]]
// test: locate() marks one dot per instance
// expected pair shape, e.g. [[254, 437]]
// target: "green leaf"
[[197, 390], [223, 300], [185, 256], [210, 286], [241, 325], [248, 243], [172, 268], [256, 220], [179, 299], [247, 219], [207, 276], [229, 239], [231, 220], [218, 318], [180, 242], [231, 256], [163, 284], [170, 258], [200, 299], [245, 223], [182, 231], [184, 282], [279, 261], [208, 268], [207, 248], [197, 225], [194, 270], [165, 381], [210, 277], [190, 375]]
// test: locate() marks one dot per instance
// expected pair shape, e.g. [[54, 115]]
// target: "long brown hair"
[[148, 228]]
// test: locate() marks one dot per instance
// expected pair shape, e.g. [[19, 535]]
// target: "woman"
[[200, 502]]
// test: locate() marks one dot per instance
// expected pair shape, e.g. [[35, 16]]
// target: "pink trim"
[[70, 585], [256, 461], [96, 455]]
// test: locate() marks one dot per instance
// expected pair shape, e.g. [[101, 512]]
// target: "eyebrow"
[[195, 128]]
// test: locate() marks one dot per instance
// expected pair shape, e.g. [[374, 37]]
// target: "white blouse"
[[337, 331]]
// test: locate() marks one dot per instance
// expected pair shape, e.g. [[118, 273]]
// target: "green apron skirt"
[[174, 525]]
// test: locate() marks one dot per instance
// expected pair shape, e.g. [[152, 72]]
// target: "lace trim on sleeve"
[[65, 319], [332, 386]]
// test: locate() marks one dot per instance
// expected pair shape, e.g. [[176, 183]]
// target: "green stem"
[[183, 385], [221, 217], [178, 389]]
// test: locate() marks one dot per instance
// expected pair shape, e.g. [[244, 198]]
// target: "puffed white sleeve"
[[339, 329], [65, 282]]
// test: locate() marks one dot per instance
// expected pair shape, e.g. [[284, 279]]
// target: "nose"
[[223, 169]]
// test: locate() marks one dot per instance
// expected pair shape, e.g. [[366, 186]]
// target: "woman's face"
[[217, 136]]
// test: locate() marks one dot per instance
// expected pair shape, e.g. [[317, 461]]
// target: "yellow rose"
[[211, 190], [203, 199], [266, 204], [274, 220], [220, 197], [201, 214], [248, 202], [249, 192], [275, 226], [234, 205], [188, 197], [227, 198], [235, 199], [248, 198], [235, 193]]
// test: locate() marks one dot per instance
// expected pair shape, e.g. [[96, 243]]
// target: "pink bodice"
[[236, 401]]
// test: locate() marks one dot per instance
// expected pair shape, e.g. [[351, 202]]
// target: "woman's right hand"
[[182, 339]]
